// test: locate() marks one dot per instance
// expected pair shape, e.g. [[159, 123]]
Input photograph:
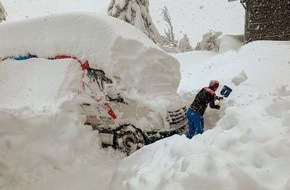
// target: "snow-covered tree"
[[184, 44], [135, 12], [169, 38], [2, 13], [209, 42]]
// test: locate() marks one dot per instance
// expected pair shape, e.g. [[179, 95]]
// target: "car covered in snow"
[[122, 121], [130, 83]]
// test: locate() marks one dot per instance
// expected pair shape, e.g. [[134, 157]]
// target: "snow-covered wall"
[[109, 44]]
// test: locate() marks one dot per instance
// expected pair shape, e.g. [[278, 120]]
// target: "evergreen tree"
[[2, 13], [135, 12]]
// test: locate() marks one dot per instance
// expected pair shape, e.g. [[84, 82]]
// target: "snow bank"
[[41, 151], [248, 148], [42, 136], [258, 66], [107, 43]]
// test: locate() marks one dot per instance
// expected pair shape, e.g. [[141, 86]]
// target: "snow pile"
[[41, 151], [248, 148], [114, 46], [42, 136]]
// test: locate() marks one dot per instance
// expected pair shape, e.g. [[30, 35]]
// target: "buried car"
[[131, 82], [123, 122]]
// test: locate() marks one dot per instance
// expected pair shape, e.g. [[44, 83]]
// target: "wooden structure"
[[267, 20]]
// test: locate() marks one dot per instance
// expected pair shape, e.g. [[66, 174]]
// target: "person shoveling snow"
[[197, 108]]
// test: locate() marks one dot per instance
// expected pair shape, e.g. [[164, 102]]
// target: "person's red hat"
[[214, 84]]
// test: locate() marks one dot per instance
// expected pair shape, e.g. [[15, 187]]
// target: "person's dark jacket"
[[204, 97]]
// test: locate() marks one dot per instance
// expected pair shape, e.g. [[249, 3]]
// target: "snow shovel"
[[226, 91]]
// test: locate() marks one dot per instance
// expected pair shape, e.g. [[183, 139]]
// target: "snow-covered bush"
[[2, 13], [184, 44], [210, 41], [136, 13]]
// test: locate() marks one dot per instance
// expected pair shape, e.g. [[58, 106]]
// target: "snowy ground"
[[246, 145]]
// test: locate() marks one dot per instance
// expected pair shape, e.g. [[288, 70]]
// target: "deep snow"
[[42, 137], [247, 147]]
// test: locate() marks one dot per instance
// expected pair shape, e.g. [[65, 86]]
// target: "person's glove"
[[219, 98]]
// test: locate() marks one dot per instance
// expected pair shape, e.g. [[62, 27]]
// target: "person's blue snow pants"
[[195, 122]]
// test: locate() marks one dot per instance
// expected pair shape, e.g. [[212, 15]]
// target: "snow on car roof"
[[112, 45]]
